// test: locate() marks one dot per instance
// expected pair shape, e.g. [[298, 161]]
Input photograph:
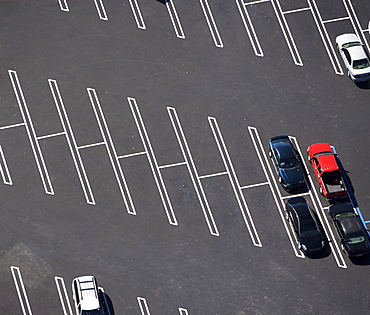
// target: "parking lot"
[[133, 147]]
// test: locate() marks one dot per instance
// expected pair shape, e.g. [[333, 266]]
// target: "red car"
[[324, 163]]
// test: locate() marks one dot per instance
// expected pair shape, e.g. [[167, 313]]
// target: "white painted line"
[[211, 23], [5, 174], [143, 306], [80, 168], [248, 220], [172, 165], [296, 10], [131, 155], [152, 161], [44, 174], [286, 31], [213, 175], [63, 5], [22, 295], [356, 23], [192, 171], [255, 2], [101, 10], [183, 311], [91, 145], [63, 295], [336, 20], [249, 28], [254, 185], [107, 140], [280, 206], [51, 135], [175, 19], [338, 256], [12, 126], [137, 14], [325, 37]]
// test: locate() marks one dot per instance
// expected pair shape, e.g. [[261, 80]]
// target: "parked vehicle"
[[306, 228], [288, 164], [355, 57], [86, 296], [351, 231], [327, 171]]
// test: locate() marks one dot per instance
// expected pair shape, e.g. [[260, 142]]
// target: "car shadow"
[[363, 85], [106, 303], [361, 261], [162, 1]]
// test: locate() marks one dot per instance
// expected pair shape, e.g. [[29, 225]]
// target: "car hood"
[[291, 175], [346, 38]]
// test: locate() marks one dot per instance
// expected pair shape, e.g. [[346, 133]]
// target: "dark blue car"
[[288, 164]]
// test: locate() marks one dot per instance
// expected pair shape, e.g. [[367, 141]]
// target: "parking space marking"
[[287, 34], [108, 142], [51, 135], [325, 37], [280, 206], [296, 195], [213, 175], [183, 311], [63, 295], [322, 215], [13, 126], [5, 174], [137, 14], [249, 27], [131, 155], [234, 181], [143, 306], [80, 168], [175, 19], [192, 171], [254, 185], [63, 5], [22, 295], [295, 10], [211, 23], [172, 165], [336, 20], [44, 174], [152, 161], [101, 10]]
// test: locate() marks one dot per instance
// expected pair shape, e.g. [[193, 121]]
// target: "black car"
[[351, 231], [303, 219], [288, 164]]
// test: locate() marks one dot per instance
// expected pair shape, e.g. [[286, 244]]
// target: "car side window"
[[346, 53]]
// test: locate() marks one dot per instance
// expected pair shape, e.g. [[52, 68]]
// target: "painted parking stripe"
[[137, 14], [21, 290], [211, 23], [183, 311], [320, 210], [192, 171], [286, 32], [280, 205], [249, 27], [5, 174], [63, 5], [80, 168], [63, 295], [108, 142], [248, 220], [143, 306], [101, 10], [175, 19], [44, 174], [152, 161], [296, 10], [325, 37]]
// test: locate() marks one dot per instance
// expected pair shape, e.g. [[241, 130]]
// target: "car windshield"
[[356, 239], [361, 64], [345, 215], [288, 163], [348, 45], [92, 312]]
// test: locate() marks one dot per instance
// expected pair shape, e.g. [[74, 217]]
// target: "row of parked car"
[[351, 230]]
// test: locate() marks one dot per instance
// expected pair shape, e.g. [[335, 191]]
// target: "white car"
[[355, 57], [86, 296]]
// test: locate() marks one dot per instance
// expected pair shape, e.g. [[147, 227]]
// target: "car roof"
[[351, 225], [341, 208], [301, 209], [357, 52], [88, 292]]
